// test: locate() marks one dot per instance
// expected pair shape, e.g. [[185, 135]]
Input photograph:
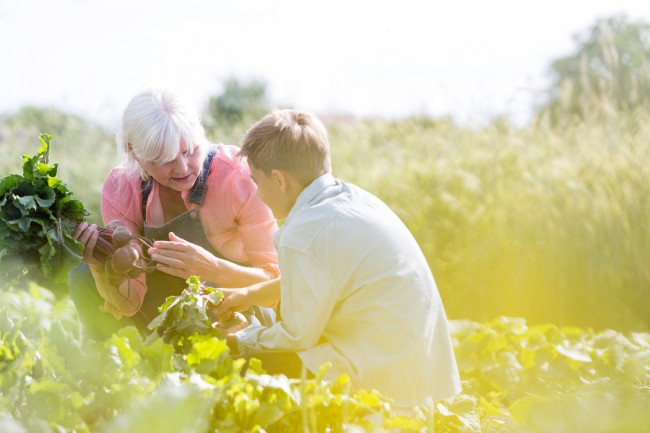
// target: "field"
[[539, 242], [550, 225]]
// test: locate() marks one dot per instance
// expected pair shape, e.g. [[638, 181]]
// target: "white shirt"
[[357, 292]]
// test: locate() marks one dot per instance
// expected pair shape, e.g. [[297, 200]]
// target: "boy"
[[356, 290]]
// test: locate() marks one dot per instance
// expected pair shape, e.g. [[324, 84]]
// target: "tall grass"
[[547, 224]]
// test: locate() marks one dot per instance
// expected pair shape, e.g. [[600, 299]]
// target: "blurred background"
[[511, 138]]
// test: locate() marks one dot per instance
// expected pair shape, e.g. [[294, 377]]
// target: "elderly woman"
[[194, 199]]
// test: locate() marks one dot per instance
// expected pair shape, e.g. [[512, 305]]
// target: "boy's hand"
[[234, 300], [229, 327]]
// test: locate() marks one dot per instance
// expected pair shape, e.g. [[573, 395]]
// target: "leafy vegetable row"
[[181, 378]]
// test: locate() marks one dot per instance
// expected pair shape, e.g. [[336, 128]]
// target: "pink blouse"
[[236, 222]]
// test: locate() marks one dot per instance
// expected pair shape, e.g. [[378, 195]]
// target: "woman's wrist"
[[224, 272]]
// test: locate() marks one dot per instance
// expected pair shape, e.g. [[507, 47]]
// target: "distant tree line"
[[608, 71]]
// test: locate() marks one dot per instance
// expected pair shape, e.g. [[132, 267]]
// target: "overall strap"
[[196, 192], [201, 185]]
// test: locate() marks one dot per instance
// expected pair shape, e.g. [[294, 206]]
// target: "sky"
[[472, 60]]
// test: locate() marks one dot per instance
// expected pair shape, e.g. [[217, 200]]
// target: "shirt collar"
[[308, 194]]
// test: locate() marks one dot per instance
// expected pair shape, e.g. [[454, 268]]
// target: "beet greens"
[[38, 217]]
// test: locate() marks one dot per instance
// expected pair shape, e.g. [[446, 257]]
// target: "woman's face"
[[179, 174]]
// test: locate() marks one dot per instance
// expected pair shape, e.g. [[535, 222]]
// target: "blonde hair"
[[155, 123], [291, 140]]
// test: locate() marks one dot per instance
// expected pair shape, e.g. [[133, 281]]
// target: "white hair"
[[154, 125]]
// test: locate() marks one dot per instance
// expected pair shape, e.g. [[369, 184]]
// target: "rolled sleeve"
[[307, 302]]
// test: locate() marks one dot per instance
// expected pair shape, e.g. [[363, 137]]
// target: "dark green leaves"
[[37, 220]]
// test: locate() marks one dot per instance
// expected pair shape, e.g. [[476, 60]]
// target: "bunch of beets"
[[38, 218], [124, 254]]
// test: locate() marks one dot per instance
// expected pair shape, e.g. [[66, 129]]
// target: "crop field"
[[515, 377], [538, 239]]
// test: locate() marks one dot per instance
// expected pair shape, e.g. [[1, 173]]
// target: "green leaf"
[[48, 386], [573, 353], [158, 354], [53, 182], [215, 297], [521, 408], [24, 224], [8, 183], [461, 418], [123, 353], [403, 423], [276, 383], [27, 204], [46, 171], [46, 198], [44, 150], [205, 347], [367, 398], [267, 414]]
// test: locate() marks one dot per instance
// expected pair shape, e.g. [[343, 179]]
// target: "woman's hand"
[[183, 259], [87, 234]]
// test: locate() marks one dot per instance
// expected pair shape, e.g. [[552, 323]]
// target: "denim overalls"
[[187, 226], [159, 285]]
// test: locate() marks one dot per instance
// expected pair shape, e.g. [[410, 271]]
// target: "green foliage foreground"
[[515, 377]]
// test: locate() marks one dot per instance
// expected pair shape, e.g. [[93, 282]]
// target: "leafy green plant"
[[38, 217], [183, 316]]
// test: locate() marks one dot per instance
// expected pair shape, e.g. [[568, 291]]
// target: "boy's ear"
[[282, 179]]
